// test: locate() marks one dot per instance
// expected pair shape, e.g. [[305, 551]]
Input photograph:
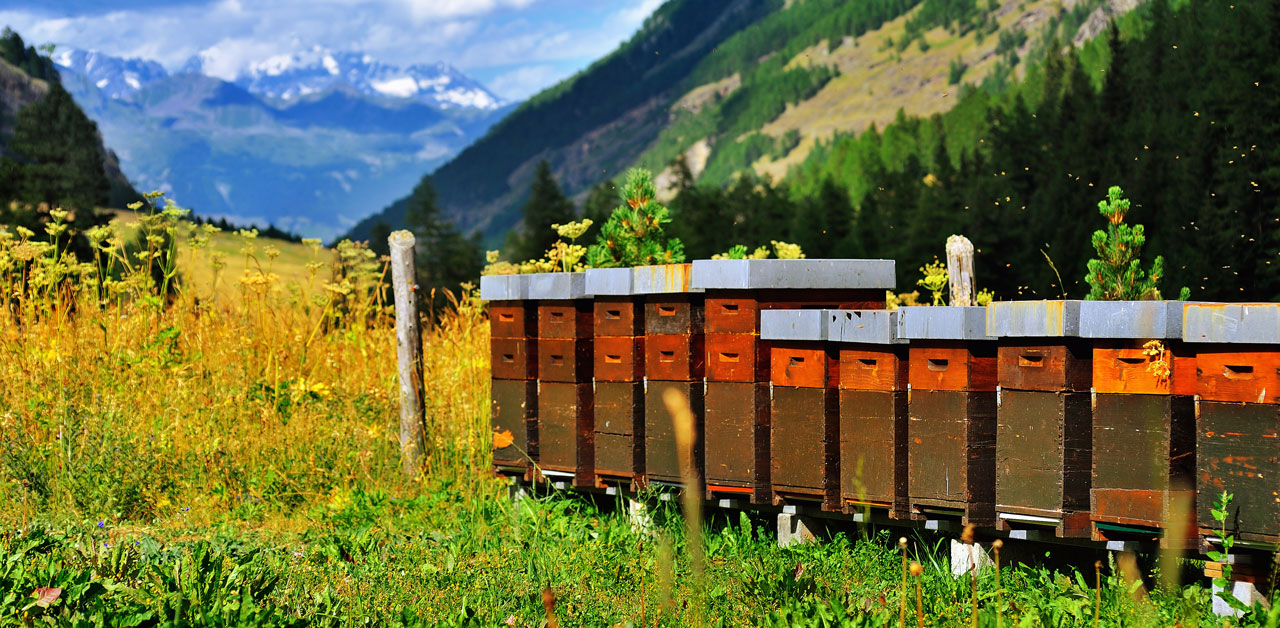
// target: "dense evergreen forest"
[[26, 58], [1185, 117]]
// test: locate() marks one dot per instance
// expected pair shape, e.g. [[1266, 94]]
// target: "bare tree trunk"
[[408, 351], [960, 270]]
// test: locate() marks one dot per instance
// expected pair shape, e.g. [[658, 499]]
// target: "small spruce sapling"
[[1116, 275], [635, 234]]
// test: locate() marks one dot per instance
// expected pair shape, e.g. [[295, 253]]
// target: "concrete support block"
[[516, 492], [1243, 591], [966, 556], [640, 517], [795, 528]]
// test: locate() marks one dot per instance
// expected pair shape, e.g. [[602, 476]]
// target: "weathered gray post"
[[960, 270], [408, 350]]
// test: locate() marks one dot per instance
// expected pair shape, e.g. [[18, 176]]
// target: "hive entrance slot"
[[507, 317], [937, 364], [508, 357], [728, 357], [666, 310], [1235, 371], [730, 308], [613, 359], [613, 314], [1131, 361], [555, 314], [667, 356], [1031, 360], [797, 361], [867, 362], [557, 359]]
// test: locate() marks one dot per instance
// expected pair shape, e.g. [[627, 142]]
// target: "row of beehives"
[[1110, 420]]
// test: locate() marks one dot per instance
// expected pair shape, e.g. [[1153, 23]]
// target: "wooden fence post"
[[960, 270], [408, 350]]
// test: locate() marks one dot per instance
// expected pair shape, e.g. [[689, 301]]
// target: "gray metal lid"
[[1131, 319], [504, 287], [948, 322], [1034, 319], [557, 286], [794, 325], [792, 274], [877, 327], [1236, 323], [663, 279], [609, 281]]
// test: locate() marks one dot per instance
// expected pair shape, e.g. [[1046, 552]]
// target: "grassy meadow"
[[225, 454]]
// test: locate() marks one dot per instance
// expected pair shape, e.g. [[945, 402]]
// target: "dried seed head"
[[902, 542], [967, 535], [1097, 564], [916, 569], [998, 543]]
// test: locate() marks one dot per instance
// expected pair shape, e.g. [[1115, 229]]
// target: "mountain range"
[[308, 142]]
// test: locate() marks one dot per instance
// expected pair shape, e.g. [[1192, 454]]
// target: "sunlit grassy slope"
[[200, 275]]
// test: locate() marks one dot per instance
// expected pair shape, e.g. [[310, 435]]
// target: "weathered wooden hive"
[[566, 403], [513, 323]]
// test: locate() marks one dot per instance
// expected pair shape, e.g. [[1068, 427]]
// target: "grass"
[[232, 460]]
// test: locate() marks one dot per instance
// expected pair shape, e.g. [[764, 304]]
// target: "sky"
[[514, 47]]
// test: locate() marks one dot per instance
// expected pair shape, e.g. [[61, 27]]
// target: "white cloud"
[[526, 81]]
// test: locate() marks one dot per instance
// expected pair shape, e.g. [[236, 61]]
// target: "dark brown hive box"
[[1044, 456], [566, 430], [873, 450], [565, 319], [952, 365], [661, 458], [737, 431], [805, 435], [737, 358], [674, 357], [619, 425], [514, 408], [618, 316], [1035, 365]]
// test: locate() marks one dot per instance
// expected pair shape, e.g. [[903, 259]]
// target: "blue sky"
[[516, 47]]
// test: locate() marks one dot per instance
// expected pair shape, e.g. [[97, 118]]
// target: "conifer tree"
[[635, 234], [1117, 275], [547, 205]]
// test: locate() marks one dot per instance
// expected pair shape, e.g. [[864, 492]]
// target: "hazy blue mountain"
[[308, 152]]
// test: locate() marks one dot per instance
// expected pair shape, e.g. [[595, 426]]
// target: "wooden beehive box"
[[674, 358], [738, 358], [618, 325], [1044, 433], [1143, 422], [1237, 416], [873, 410], [513, 324], [805, 422], [951, 413], [566, 404]]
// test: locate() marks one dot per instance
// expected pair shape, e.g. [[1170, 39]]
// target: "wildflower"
[[491, 257], [102, 524], [573, 230]]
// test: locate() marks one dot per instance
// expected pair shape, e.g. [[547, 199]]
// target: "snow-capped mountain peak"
[[291, 76], [113, 76], [288, 77]]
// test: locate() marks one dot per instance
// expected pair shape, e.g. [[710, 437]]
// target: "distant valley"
[[310, 142]]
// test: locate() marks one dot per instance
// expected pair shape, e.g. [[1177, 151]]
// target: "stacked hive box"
[[673, 360], [951, 408], [619, 376], [1143, 422], [738, 360], [1238, 412], [513, 359], [1044, 436], [873, 410], [566, 429], [804, 460]]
